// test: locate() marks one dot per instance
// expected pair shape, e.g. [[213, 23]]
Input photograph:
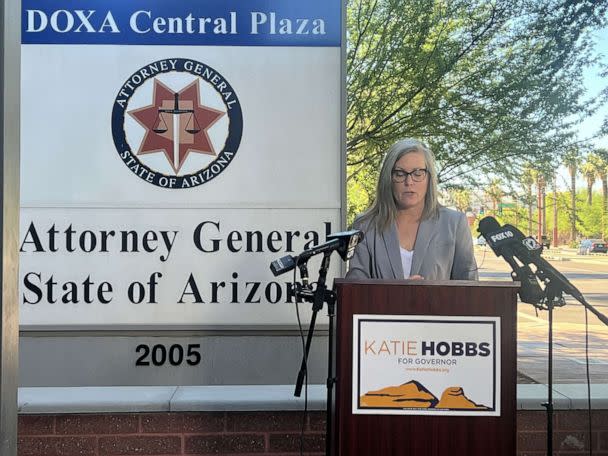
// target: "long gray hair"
[[383, 210]]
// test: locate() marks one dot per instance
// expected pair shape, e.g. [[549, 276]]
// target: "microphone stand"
[[317, 297], [554, 298], [530, 291]]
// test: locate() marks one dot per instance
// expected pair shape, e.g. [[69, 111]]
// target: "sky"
[[594, 84]]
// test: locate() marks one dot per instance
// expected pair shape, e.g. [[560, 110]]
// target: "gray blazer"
[[443, 251]]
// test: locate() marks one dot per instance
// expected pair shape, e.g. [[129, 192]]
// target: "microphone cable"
[[547, 273], [590, 426], [304, 360]]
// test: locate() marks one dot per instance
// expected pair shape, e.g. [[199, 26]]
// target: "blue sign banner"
[[307, 23]]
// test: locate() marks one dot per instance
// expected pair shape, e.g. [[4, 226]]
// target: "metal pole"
[[550, 385], [555, 234], [544, 203], [10, 63], [540, 184]]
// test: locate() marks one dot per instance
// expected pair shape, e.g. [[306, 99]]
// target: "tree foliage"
[[460, 198], [487, 84], [589, 173], [572, 159], [601, 166]]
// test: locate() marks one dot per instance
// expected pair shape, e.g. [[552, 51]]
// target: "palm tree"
[[495, 193], [602, 174], [461, 198], [589, 171], [571, 160], [528, 177]]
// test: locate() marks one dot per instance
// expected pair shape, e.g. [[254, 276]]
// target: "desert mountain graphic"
[[413, 394]]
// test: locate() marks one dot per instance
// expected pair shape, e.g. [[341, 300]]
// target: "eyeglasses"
[[400, 176]]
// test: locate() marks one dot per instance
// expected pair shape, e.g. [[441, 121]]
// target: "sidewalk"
[[565, 253], [569, 357]]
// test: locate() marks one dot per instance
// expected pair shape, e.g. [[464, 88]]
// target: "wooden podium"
[[425, 434]]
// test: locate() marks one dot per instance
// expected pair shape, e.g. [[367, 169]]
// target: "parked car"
[[588, 246]]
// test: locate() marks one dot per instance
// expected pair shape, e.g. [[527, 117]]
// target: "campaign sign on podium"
[[426, 365]]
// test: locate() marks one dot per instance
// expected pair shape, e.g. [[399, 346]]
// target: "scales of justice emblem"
[[176, 124], [186, 126]]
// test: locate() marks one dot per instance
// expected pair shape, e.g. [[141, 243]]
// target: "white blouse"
[[406, 261]]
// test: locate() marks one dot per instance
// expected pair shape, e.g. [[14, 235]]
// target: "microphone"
[[505, 242], [520, 252], [343, 242]]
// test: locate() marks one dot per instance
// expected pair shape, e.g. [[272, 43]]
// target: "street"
[[589, 273]]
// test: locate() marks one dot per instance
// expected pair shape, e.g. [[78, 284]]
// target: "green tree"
[[486, 84], [590, 219], [361, 193], [494, 192], [589, 171], [527, 180], [460, 197], [563, 217], [602, 174], [544, 173]]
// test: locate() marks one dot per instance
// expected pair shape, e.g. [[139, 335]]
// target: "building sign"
[[183, 22], [426, 365], [170, 152]]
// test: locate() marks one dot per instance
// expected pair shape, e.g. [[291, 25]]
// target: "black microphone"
[[546, 271], [505, 242], [508, 241], [343, 242]]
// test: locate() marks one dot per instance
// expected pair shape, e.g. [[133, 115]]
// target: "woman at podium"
[[408, 234]]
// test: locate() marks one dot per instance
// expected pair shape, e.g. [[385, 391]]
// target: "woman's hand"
[[416, 277]]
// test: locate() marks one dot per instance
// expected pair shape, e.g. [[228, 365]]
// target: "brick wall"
[[570, 433], [170, 434], [254, 433]]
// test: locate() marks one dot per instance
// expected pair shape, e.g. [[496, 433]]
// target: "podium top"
[[442, 283]]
